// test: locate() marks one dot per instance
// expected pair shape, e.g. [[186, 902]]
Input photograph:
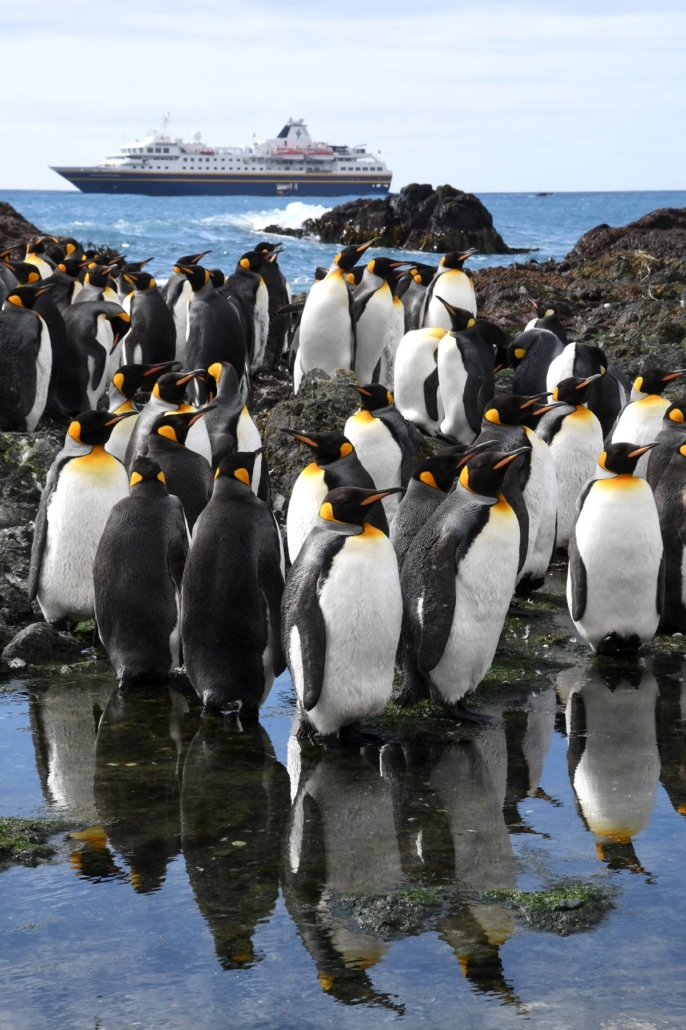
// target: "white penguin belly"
[[396, 331], [544, 543], [639, 423], [308, 495], [452, 375], [199, 441], [378, 452], [619, 540], [248, 439], [372, 331], [120, 436], [414, 363], [86, 490], [535, 495], [261, 317], [483, 586], [575, 448], [362, 608], [456, 288], [326, 337], [561, 367], [180, 313], [43, 370]]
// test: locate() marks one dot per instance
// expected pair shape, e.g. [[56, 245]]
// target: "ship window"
[[165, 150], [150, 150]]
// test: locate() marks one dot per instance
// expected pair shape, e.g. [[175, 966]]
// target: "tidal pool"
[[219, 875]]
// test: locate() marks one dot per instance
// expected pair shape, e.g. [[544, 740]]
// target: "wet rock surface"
[[573, 906], [15, 230], [41, 643]]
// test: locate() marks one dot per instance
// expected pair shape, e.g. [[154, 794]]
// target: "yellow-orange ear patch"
[[136, 477], [676, 415], [326, 512], [428, 478], [161, 477], [346, 448], [243, 475]]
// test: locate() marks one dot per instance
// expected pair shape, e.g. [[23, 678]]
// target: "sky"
[[488, 95]]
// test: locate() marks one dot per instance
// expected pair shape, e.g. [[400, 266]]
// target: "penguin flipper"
[[661, 578], [577, 571], [399, 430], [271, 583], [431, 395], [177, 552], [40, 532], [353, 325]]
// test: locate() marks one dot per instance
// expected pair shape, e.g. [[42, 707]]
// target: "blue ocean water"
[[167, 227]]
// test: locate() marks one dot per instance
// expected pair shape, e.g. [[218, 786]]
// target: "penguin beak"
[[673, 375], [199, 414], [119, 418], [474, 449], [360, 389], [511, 457], [534, 400], [548, 407], [587, 382], [380, 496], [365, 246], [533, 303], [160, 368], [300, 437], [260, 450], [642, 450], [448, 308], [197, 373]]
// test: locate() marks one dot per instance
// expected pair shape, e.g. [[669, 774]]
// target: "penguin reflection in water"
[[342, 613]]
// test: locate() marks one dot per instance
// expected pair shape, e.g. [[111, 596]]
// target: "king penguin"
[[466, 375], [125, 384], [382, 441], [327, 334], [373, 312], [83, 484], [412, 293], [417, 391], [608, 393], [137, 578], [176, 293], [188, 475], [230, 427], [168, 394], [152, 336], [25, 359], [36, 255], [215, 332], [343, 587], [396, 331], [457, 580], [94, 333], [247, 285], [232, 589], [670, 438], [96, 285], [641, 419], [335, 465], [531, 355], [671, 509], [547, 317], [279, 294], [454, 286], [615, 583], [575, 438]]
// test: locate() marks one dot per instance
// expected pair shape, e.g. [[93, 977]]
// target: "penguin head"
[[222, 372], [352, 504], [676, 412], [197, 275], [268, 248], [484, 473], [71, 266], [238, 466], [373, 396], [460, 319], [140, 280], [544, 308], [320, 273], [120, 322], [134, 266], [146, 476], [252, 261], [175, 425], [519, 348], [217, 277], [440, 469], [187, 260], [456, 259], [656, 380], [37, 244], [349, 256], [423, 274], [171, 387], [99, 275], [327, 447], [70, 246], [512, 410], [354, 276], [26, 296], [385, 268], [536, 412], [621, 458], [574, 389], [128, 379], [25, 273], [94, 428]]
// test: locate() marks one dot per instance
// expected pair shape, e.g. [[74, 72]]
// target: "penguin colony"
[[156, 521]]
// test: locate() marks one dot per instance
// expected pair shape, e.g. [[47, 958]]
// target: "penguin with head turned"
[[94, 333], [412, 292], [670, 438], [126, 382], [247, 285], [547, 317], [641, 420], [343, 587], [531, 354], [466, 375], [152, 336], [96, 284], [279, 294], [83, 485], [187, 474], [168, 394], [335, 464], [137, 576], [25, 358], [417, 390], [230, 427], [607, 394], [36, 254], [396, 331], [176, 293], [454, 286], [373, 312], [125, 287], [65, 283], [232, 588], [670, 499], [457, 580], [382, 441], [615, 582], [328, 335]]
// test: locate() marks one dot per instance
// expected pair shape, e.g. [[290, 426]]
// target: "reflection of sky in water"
[[163, 920]]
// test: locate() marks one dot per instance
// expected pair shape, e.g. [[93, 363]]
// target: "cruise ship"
[[292, 164]]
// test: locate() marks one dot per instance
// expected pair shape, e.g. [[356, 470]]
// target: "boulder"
[[659, 234], [41, 643], [15, 230]]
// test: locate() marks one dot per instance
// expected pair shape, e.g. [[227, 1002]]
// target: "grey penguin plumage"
[[670, 499], [187, 474], [248, 287], [670, 438], [96, 284], [152, 336], [279, 295], [230, 427], [168, 394], [466, 375], [548, 317], [26, 360], [232, 588], [608, 392], [412, 293], [215, 332], [176, 293], [94, 333], [83, 484], [531, 355], [343, 586], [137, 578]]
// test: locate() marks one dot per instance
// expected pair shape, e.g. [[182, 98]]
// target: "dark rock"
[[660, 234], [280, 230], [15, 230], [41, 643], [418, 218]]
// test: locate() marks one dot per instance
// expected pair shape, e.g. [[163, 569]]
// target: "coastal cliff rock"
[[418, 218], [15, 230], [660, 234]]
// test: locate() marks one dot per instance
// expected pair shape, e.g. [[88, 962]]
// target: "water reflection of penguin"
[[234, 805], [613, 758], [529, 732], [341, 840], [671, 736], [137, 778]]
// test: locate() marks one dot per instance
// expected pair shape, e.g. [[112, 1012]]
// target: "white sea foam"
[[290, 217]]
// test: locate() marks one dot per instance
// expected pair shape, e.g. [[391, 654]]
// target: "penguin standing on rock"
[[125, 384], [152, 336], [176, 293], [25, 359], [230, 427], [466, 375], [335, 465], [94, 333], [188, 475], [83, 484], [452, 284], [615, 583], [396, 331], [641, 420], [232, 589], [373, 311], [343, 587], [215, 332], [382, 441], [137, 578], [457, 580], [417, 391], [670, 439], [279, 294], [327, 332]]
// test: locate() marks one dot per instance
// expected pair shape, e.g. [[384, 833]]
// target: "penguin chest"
[[303, 509], [561, 367], [641, 421], [362, 608], [539, 484], [248, 439], [372, 330], [326, 335], [43, 371], [575, 448], [456, 288], [376, 448], [198, 440], [453, 377], [121, 434], [484, 584], [417, 392], [261, 318]]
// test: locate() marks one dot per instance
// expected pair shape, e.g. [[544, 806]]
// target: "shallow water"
[[231, 878]]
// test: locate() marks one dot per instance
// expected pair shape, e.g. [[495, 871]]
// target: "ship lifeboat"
[[320, 154], [289, 154]]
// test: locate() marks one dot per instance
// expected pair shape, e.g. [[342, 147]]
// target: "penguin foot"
[[614, 644], [461, 713], [528, 584]]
